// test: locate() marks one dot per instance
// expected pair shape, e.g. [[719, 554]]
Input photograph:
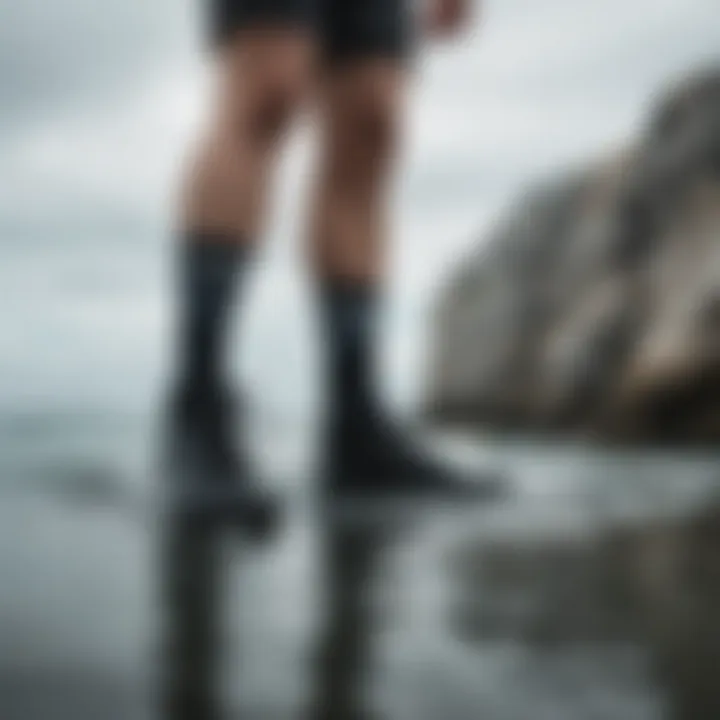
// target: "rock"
[[595, 308]]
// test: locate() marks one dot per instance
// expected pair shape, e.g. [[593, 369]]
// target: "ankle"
[[199, 398]]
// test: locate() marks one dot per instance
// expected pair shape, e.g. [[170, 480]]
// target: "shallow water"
[[406, 629]]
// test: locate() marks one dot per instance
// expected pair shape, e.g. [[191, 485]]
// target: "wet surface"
[[588, 595]]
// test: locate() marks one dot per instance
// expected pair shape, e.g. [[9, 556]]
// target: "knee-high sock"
[[212, 266], [350, 310]]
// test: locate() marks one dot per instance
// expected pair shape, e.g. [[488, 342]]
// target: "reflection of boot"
[[370, 457], [346, 641], [193, 575], [209, 476]]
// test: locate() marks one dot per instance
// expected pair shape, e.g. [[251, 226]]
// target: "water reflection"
[[193, 585], [352, 555], [641, 596], [195, 568], [593, 595], [620, 622]]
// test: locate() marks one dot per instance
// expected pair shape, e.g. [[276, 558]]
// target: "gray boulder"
[[595, 308]]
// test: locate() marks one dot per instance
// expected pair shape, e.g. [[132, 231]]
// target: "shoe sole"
[[345, 507], [246, 515]]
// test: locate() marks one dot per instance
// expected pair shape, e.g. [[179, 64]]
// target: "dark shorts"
[[345, 29]]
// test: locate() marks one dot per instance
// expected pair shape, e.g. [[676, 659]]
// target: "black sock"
[[350, 320], [211, 268]]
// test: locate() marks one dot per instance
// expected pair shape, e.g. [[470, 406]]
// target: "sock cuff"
[[216, 246], [210, 271], [349, 290]]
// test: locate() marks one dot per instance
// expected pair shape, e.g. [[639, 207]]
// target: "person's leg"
[[263, 72], [361, 109], [264, 56], [361, 98]]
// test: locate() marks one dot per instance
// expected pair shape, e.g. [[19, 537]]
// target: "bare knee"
[[263, 79], [364, 124], [272, 107], [266, 78], [374, 128], [362, 113]]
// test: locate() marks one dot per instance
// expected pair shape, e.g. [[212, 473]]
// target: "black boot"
[[370, 458], [367, 457], [209, 476]]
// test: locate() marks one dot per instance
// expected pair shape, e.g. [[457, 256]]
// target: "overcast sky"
[[99, 100]]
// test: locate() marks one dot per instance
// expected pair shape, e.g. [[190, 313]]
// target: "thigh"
[[358, 30], [229, 18], [265, 49], [362, 94]]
